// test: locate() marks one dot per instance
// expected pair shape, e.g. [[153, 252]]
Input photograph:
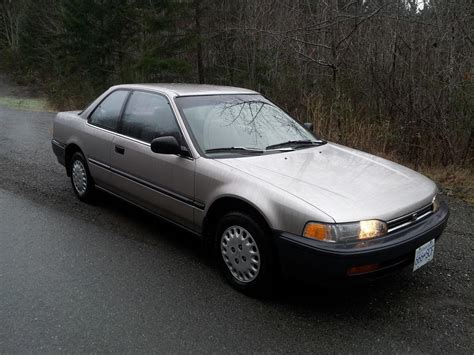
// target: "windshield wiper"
[[234, 149], [303, 142]]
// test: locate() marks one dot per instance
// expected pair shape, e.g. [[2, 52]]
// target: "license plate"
[[424, 254]]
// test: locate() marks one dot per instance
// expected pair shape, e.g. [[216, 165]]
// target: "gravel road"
[[111, 278]]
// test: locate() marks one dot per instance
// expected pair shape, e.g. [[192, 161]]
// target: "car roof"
[[188, 89]]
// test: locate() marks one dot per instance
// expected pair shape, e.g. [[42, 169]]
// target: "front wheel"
[[81, 179], [246, 254]]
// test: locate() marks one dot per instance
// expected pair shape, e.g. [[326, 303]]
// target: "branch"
[[358, 24], [324, 64]]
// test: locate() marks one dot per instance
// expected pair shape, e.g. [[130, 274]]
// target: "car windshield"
[[241, 124]]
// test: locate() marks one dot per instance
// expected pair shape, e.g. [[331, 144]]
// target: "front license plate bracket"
[[424, 254]]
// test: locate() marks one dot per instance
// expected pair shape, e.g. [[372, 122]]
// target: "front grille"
[[410, 218]]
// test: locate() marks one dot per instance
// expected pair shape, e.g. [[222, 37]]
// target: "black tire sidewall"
[[87, 195], [263, 284]]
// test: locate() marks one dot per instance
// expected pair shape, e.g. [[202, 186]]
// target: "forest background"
[[391, 77]]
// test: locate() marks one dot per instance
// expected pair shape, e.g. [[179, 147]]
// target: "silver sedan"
[[266, 193]]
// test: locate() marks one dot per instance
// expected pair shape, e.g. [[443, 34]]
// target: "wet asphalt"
[[109, 277]]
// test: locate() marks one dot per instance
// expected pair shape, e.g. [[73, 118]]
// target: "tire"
[[81, 179], [245, 254]]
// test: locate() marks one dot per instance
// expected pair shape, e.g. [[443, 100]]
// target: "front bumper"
[[308, 259]]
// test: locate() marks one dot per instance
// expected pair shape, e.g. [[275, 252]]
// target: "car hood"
[[346, 184]]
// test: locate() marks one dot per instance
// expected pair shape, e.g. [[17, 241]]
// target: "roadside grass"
[[458, 182], [30, 104], [452, 180], [416, 147]]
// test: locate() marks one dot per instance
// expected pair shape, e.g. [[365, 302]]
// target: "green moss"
[[25, 104]]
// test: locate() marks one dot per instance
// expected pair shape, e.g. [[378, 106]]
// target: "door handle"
[[119, 149]]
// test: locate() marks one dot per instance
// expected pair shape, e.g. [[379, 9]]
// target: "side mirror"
[[309, 126], [165, 145]]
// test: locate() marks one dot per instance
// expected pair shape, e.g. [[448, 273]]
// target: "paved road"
[[111, 278]]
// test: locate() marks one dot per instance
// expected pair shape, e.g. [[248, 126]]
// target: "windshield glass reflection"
[[239, 121]]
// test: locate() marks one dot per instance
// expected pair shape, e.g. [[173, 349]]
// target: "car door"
[[98, 134], [160, 182]]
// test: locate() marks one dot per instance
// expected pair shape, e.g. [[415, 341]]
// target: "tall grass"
[[421, 149]]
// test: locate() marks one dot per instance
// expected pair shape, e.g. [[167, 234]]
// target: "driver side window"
[[148, 116]]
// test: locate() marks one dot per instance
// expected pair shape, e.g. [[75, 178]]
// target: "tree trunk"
[[199, 60]]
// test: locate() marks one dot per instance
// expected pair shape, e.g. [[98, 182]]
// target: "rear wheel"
[[81, 179], [245, 253]]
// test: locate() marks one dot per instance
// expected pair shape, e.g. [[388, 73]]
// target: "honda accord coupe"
[[271, 197]]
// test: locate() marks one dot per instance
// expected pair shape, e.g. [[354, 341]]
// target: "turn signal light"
[[317, 231]]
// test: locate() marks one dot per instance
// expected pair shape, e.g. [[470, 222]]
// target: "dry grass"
[[454, 181], [355, 128]]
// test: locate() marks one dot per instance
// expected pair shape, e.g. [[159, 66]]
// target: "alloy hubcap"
[[240, 253], [79, 177]]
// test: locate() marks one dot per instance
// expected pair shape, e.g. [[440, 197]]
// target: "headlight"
[[344, 232], [436, 203]]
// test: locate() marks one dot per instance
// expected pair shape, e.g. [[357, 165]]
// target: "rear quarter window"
[[107, 113]]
